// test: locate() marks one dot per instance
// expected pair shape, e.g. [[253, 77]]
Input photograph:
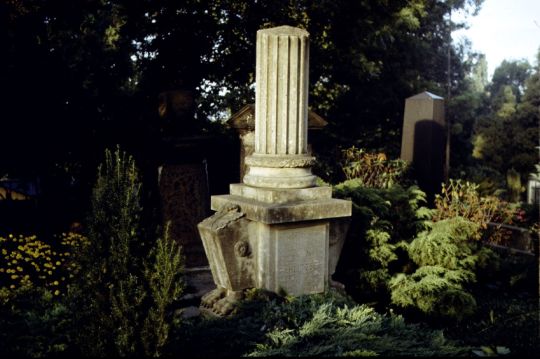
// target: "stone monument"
[[277, 230], [423, 140]]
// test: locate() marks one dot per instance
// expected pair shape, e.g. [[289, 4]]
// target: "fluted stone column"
[[281, 159]]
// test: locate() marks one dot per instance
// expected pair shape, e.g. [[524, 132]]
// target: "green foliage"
[[448, 259], [340, 330], [109, 60], [164, 275], [383, 221], [372, 169], [506, 135], [109, 296], [34, 323], [435, 291], [461, 199], [513, 184], [328, 324], [120, 303], [447, 244]]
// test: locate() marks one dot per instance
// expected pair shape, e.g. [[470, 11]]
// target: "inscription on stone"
[[301, 261], [184, 194]]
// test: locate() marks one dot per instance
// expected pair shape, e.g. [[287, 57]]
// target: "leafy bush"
[[461, 199], [448, 260], [372, 169]]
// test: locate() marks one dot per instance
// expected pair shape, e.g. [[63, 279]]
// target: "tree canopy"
[[79, 75]]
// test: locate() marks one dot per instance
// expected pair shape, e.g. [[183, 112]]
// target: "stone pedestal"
[[291, 232]]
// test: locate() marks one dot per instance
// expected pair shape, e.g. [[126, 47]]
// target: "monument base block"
[[289, 248]]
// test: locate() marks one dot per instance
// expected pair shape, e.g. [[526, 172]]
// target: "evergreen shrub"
[[384, 220], [448, 261], [337, 328], [122, 294]]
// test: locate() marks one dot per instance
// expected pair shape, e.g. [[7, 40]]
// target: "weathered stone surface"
[[533, 191], [424, 140], [281, 96], [244, 119], [280, 195], [280, 161], [338, 233], [281, 99], [226, 240], [288, 212], [184, 196], [293, 259], [271, 177]]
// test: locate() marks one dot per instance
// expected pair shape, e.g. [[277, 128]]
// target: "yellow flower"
[[56, 292], [12, 286], [58, 263], [14, 276], [55, 282]]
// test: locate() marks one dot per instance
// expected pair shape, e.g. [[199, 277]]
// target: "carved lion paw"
[[209, 299]]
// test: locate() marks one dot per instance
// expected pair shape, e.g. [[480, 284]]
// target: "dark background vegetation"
[[82, 75]]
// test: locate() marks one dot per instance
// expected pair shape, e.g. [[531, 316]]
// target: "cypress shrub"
[[122, 293]]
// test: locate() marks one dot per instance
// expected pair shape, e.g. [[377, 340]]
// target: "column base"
[[268, 177], [280, 171]]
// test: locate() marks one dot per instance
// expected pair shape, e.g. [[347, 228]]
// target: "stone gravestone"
[[182, 174], [273, 231], [184, 199], [423, 141]]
